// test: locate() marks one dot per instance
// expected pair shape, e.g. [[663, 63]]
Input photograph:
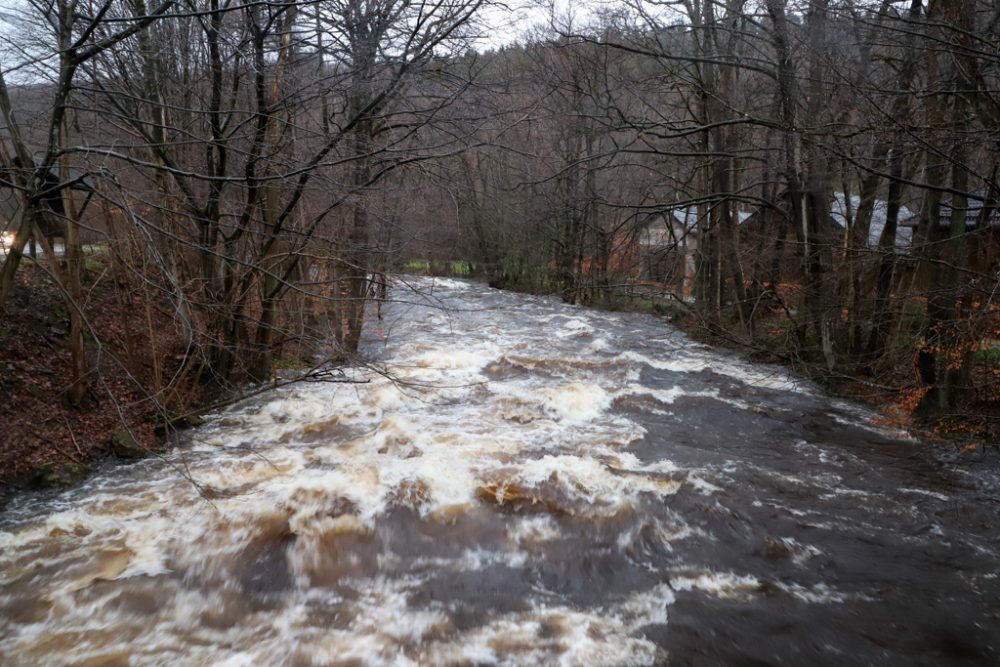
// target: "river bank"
[[43, 441]]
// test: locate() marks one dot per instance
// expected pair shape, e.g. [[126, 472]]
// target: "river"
[[514, 481]]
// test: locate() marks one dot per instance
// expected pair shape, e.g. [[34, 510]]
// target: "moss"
[[989, 355], [290, 364], [58, 475], [93, 264], [913, 323]]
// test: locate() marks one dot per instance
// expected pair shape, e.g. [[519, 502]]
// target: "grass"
[[417, 265], [455, 267]]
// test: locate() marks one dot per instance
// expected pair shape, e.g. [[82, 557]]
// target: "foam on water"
[[696, 359], [720, 584], [317, 467]]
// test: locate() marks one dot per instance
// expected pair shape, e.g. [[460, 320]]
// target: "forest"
[[200, 196]]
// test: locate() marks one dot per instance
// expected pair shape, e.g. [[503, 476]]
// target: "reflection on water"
[[543, 485]]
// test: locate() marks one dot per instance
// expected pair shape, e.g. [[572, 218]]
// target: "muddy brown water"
[[540, 485]]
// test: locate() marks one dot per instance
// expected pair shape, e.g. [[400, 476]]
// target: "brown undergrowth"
[[135, 345]]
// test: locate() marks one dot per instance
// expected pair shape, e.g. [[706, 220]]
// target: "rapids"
[[514, 481]]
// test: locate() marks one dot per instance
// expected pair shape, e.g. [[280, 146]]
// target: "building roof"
[[838, 212], [684, 223], [974, 208]]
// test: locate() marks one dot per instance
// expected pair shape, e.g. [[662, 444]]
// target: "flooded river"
[[539, 485]]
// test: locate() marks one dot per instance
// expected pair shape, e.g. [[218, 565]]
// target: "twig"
[[73, 437]]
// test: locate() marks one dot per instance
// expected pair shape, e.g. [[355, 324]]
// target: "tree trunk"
[[882, 315], [74, 290]]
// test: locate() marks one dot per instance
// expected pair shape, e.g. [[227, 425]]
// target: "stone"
[[125, 446], [53, 475]]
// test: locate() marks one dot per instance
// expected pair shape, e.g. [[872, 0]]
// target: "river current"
[[514, 481]]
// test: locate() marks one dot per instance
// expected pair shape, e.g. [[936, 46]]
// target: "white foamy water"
[[497, 487]]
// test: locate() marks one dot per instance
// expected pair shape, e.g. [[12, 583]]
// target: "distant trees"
[[235, 147], [72, 35]]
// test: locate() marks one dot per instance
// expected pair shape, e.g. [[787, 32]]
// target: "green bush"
[[989, 355]]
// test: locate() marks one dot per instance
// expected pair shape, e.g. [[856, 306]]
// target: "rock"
[[193, 420], [165, 426], [126, 447], [54, 475]]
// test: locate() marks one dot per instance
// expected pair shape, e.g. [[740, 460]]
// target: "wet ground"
[[514, 481]]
